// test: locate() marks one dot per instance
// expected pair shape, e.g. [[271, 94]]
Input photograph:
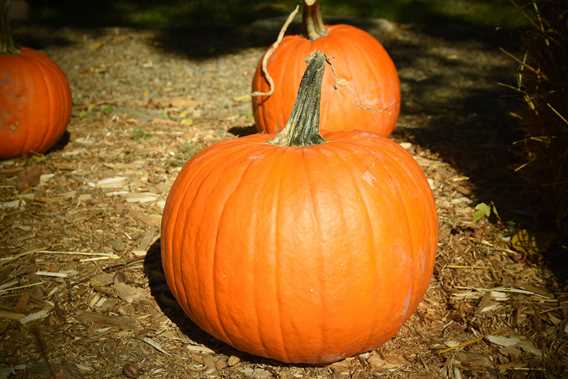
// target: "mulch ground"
[[82, 292]]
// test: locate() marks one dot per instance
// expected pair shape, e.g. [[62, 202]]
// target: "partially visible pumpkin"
[[35, 98], [300, 247], [360, 92]]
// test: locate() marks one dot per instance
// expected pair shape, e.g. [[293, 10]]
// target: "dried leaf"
[[29, 178], [121, 322], [128, 293], [515, 341], [473, 360], [102, 280], [183, 102], [503, 341]]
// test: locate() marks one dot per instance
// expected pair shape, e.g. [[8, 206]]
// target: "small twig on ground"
[[17, 256], [269, 53], [6, 290]]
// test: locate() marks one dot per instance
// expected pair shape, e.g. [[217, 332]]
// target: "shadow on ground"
[[199, 29], [455, 106]]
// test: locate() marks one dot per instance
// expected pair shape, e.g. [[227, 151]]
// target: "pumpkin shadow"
[[243, 131], [171, 309], [61, 142]]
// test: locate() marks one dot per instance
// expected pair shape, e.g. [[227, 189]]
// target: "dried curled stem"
[[271, 50]]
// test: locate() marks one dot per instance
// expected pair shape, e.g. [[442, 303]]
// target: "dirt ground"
[[82, 293]]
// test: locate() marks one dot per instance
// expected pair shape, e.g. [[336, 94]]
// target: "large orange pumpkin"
[[362, 91], [35, 98], [300, 247]]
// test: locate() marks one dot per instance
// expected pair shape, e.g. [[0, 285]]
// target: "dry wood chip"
[[155, 345], [43, 179], [199, 349], [11, 315], [68, 195], [84, 197], [72, 153], [150, 219], [233, 361], [184, 102], [61, 274], [9, 284], [114, 182], [12, 204], [84, 369], [142, 197], [120, 322], [85, 141], [35, 316], [488, 303]]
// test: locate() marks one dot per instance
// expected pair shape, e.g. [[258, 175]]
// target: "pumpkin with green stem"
[[361, 91], [35, 98], [300, 247]]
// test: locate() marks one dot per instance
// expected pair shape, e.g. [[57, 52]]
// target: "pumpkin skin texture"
[[361, 92], [300, 254], [35, 103]]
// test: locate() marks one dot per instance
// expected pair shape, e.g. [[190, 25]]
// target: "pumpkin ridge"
[[63, 89], [230, 195], [416, 291], [29, 137], [208, 165], [182, 287], [276, 214], [370, 228], [409, 233], [355, 94], [317, 232], [427, 227], [203, 166], [380, 90], [52, 124]]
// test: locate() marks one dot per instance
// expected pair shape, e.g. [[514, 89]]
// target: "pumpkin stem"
[[7, 45], [302, 128], [313, 22]]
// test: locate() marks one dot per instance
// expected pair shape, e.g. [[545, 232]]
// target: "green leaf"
[[482, 210]]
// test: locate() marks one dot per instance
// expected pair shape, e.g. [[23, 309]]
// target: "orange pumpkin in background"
[[35, 98], [300, 247], [361, 91]]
